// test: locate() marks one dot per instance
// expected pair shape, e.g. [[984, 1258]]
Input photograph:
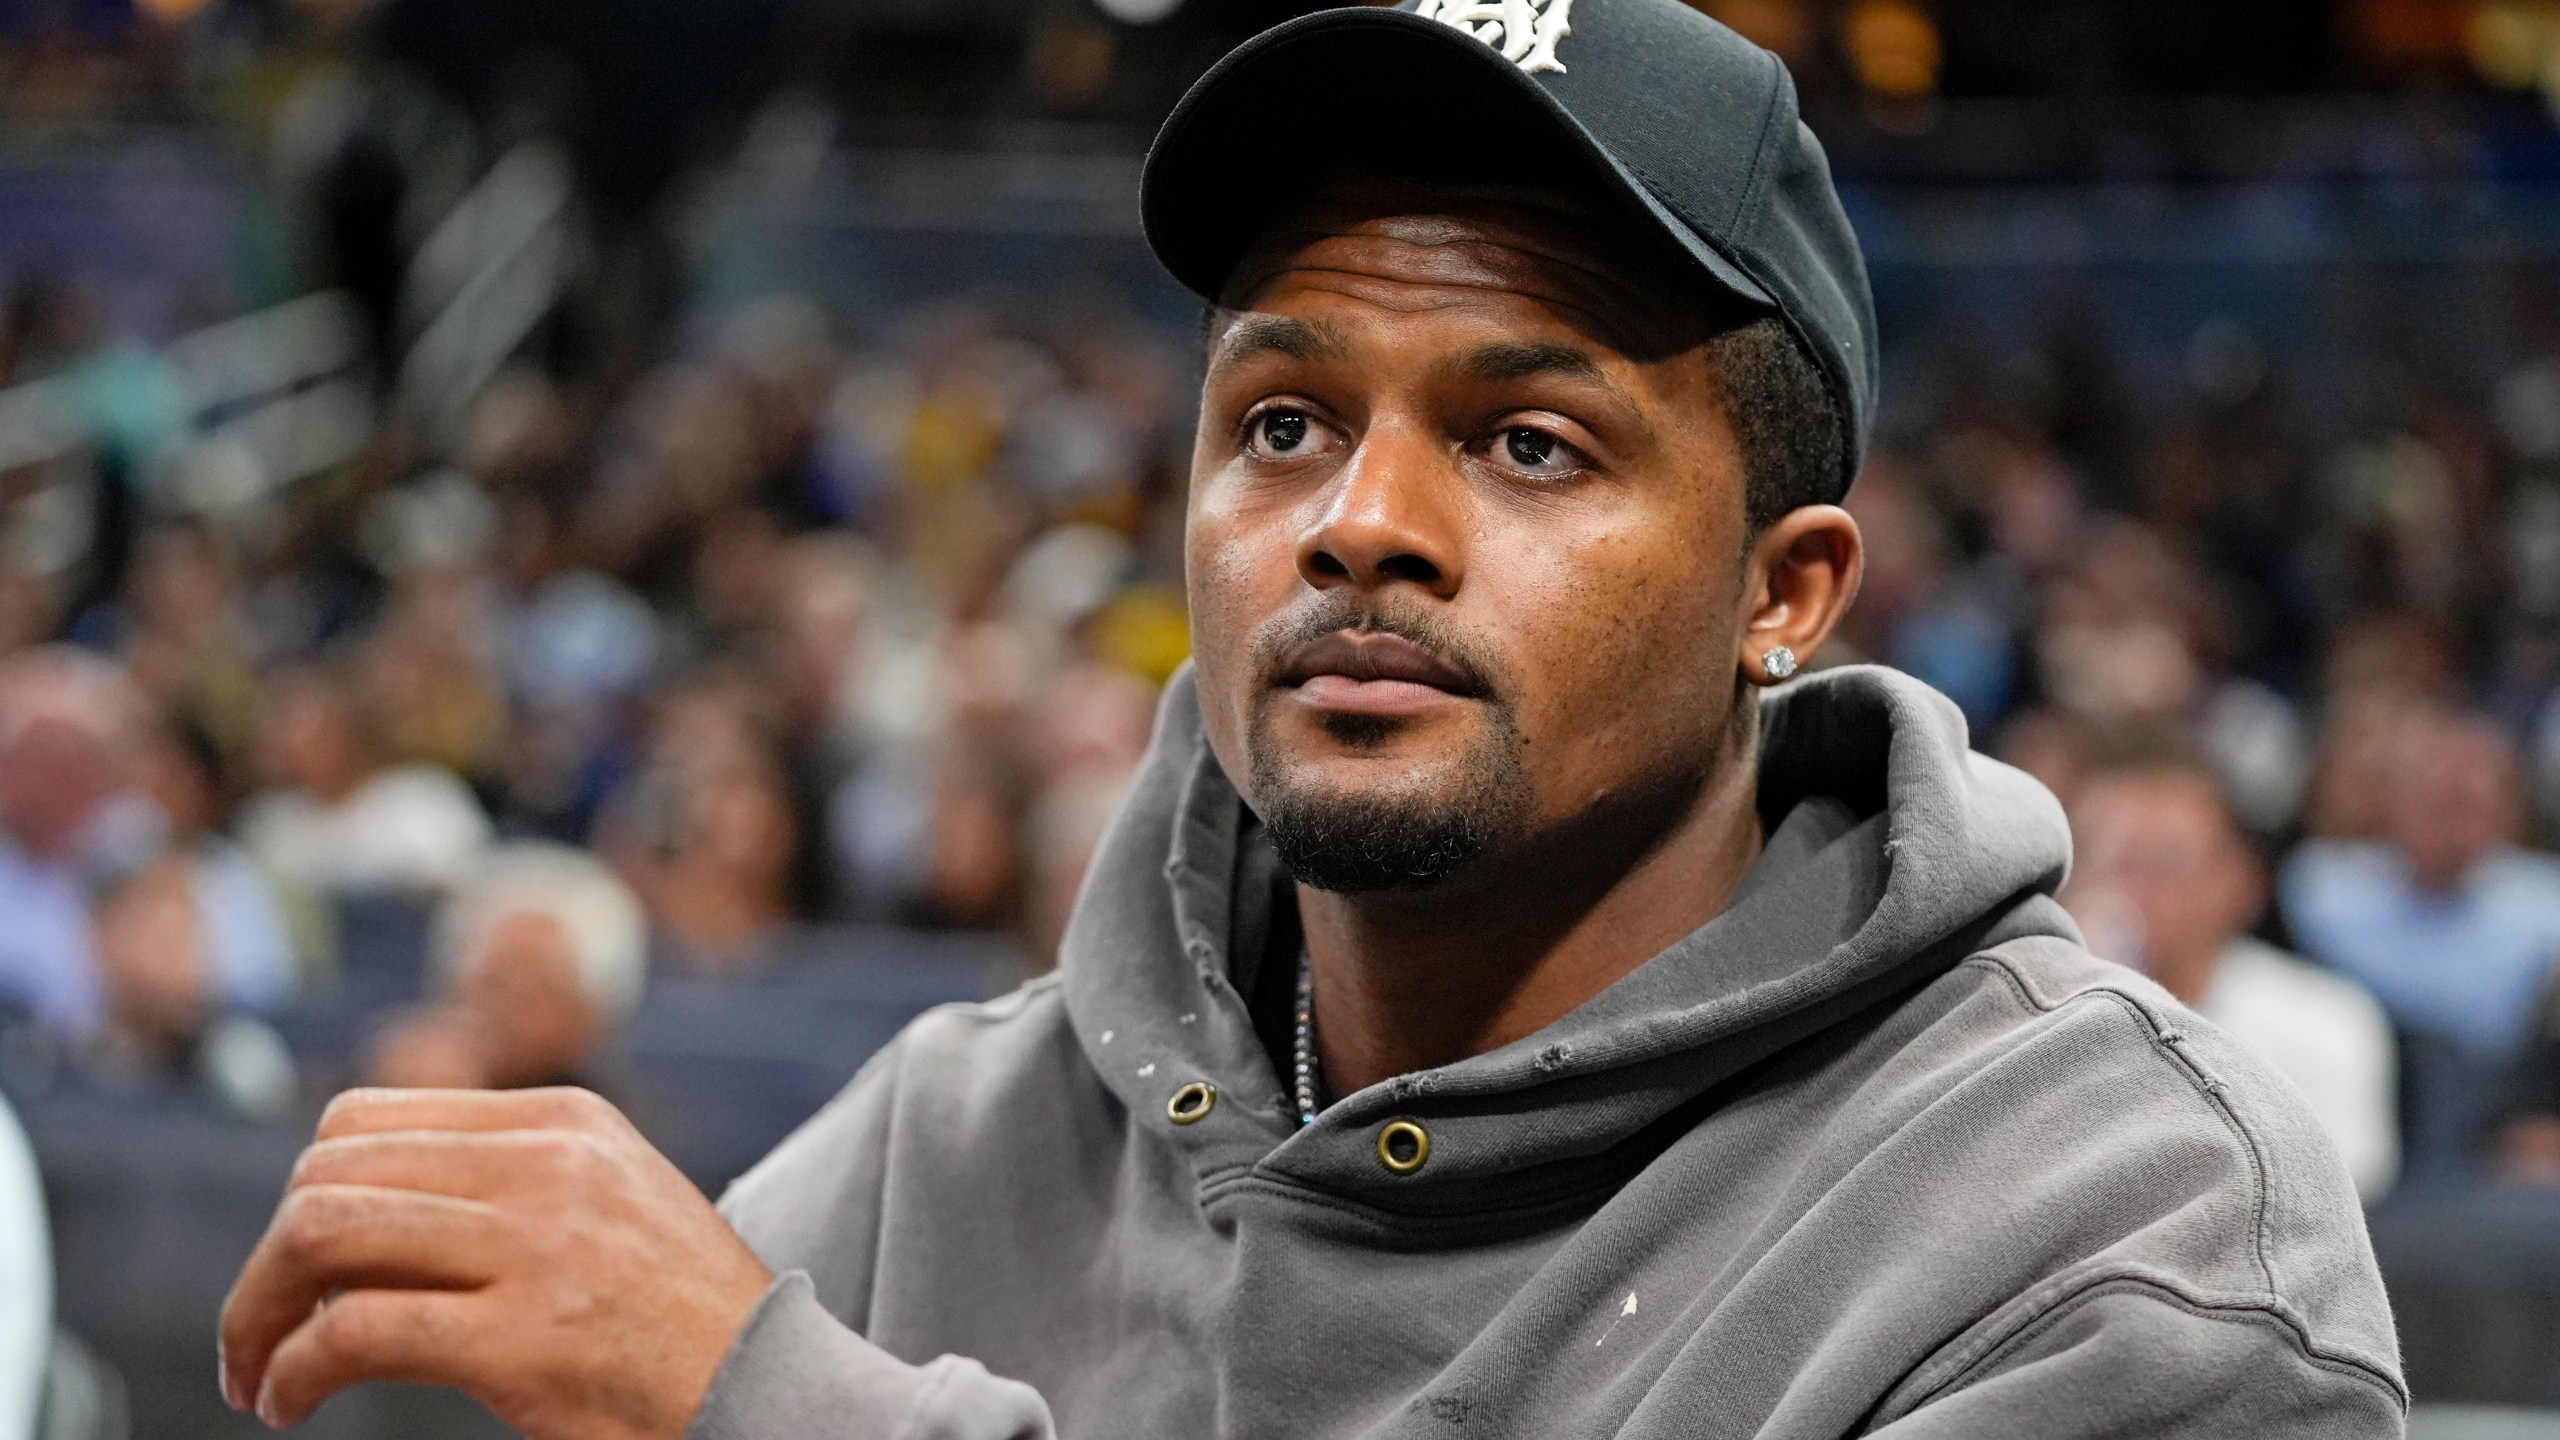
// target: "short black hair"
[[1782, 411], [1784, 417]]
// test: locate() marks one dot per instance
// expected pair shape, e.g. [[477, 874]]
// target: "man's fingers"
[[425, 1337], [369, 1112], [471, 1165], [329, 1238]]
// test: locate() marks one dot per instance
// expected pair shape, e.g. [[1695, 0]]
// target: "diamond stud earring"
[[1780, 662]]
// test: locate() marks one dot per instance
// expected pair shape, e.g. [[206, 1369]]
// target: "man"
[[338, 816], [2163, 881], [542, 953], [1662, 1061], [67, 721], [2451, 922]]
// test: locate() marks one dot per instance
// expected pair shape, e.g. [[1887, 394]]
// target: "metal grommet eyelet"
[[1403, 1146], [1191, 1102]]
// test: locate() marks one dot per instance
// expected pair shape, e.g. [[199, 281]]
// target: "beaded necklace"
[[1310, 1082]]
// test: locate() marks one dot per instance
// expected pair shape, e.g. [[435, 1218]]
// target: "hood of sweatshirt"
[[1894, 851]]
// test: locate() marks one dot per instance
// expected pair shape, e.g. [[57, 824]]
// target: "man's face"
[[2451, 801], [520, 986], [2161, 843], [1466, 539], [54, 773], [151, 956]]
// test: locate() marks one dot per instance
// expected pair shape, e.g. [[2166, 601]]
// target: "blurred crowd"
[[2297, 696], [674, 671], [670, 675], [681, 701], [680, 641]]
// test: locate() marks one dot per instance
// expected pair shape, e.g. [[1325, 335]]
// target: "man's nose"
[[1394, 513]]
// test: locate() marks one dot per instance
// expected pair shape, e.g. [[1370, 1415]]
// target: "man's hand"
[[525, 1246]]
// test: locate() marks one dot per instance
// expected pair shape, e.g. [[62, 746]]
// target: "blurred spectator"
[[336, 818], [2164, 881], [2451, 924], [2378, 669], [1917, 610], [429, 676], [579, 648], [165, 1023], [2528, 1142], [2118, 640], [152, 962], [185, 642], [2057, 749], [432, 1046], [1087, 745], [26, 1283], [540, 958], [2352, 776], [65, 746], [705, 833], [183, 774]]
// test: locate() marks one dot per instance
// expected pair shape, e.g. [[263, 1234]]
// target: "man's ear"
[[1802, 573]]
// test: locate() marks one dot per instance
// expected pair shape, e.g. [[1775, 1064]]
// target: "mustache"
[[1333, 611]]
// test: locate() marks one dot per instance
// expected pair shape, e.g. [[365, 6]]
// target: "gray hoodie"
[[1881, 1150]]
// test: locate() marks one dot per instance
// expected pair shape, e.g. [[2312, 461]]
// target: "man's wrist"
[[796, 1370]]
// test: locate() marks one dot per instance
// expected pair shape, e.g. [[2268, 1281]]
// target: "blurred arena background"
[[635, 543]]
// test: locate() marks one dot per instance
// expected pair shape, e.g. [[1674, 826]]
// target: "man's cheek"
[[1222, 627], [1592, 674], [1221, 632]]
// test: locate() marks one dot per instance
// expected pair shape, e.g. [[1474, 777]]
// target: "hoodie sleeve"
[[798, 1373], [2138, 1361], [800, 1370]]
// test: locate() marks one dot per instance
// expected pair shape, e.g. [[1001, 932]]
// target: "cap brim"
[[1376, 87]]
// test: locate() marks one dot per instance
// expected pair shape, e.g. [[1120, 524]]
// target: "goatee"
[[1360, 843]]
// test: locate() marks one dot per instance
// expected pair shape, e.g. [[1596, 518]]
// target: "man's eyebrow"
[[1495, 364], [1280, 335]]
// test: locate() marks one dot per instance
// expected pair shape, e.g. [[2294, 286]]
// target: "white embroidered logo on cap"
[[1525, 31]]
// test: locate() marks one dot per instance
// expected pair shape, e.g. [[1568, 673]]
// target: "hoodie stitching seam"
[[894, 1075], [1966, 1366], [1295, 1193], [2214, 1093], [1250, 1179], [2206, 1086], [922, 1406], [1279, 1189]]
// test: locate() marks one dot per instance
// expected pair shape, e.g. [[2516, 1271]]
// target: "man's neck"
[[1408, 982]]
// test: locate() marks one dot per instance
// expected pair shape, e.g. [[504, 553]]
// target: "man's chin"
[[1405, 809], [1371, 824], [1365, 842]]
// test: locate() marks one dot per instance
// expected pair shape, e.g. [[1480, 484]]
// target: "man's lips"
[[1372, 673]]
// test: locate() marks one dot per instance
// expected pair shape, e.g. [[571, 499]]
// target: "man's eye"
[[1282, 434], [1538, 452]]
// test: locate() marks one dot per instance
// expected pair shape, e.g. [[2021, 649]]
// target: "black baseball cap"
[[1692, 129]]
